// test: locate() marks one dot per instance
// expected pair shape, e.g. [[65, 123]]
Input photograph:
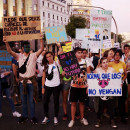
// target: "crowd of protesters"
[[37, 74]]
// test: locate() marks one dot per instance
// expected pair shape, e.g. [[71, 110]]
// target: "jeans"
[[8, 95], [24, 101], [39, 79]]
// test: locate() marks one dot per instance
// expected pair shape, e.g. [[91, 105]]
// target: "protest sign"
[[83, 34], [19, 28], [107, 44], [69, 63], [100, 24], [94, 45], [117, 45], [55, 34], [76, 43], [5, 60], [104, 84], [67, 46]]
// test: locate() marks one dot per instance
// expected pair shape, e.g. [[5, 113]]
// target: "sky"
[[120, 10]]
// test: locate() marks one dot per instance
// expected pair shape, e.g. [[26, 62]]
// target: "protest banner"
[[104, 84], [69, 63], [17, 28], [55, 34], [83, 34], [67, 46], [5, 60], [100, 24]]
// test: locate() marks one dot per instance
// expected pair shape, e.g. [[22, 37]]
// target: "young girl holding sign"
[[107, 101]]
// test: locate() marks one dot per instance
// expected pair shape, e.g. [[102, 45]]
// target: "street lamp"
[[102, 9]]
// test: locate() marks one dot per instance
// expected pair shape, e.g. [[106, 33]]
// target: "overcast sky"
[[120, 10]]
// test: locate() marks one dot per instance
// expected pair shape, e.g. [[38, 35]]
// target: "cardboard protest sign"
[[55, 34], [67, 46], [19, 28], [69, 63], [94, 45], [5, 60], [107, 44], [104, 84], [76, 43], [83, 34], [100, 24]]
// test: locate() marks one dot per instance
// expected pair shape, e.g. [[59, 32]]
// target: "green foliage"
[[121, 38], [75, 22]]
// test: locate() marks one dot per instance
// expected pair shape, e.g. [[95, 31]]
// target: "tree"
[[75, 22], [121, 38]]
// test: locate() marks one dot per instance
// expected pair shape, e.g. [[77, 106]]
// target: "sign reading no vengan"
[[104, 84], [5, 60], [55, 34], [69, 63], [19, 28]]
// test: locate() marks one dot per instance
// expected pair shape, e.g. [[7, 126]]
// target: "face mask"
[[26, 48]]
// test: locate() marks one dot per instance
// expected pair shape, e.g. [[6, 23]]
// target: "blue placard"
[[5, 60], [55, 34]]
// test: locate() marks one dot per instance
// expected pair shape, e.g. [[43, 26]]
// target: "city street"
[[8, 122]]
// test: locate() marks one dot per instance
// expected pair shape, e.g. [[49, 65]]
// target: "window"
[[53, 16], [61, 9], [48, 15], [5, 1], [61, 18], [5, 12], [48, 4], [43, 24], [43, 3], [14, 13], [57, 17], [13, 2], [52, 6], [43, 14], [35, 7], [65, 19], [22, 4], [57, 7]]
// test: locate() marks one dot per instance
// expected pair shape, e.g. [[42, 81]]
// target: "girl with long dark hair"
[[50, 85]]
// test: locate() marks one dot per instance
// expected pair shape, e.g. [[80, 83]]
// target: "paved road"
[[8, 122]]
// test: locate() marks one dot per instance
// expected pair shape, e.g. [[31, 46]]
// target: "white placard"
[[104, 84]]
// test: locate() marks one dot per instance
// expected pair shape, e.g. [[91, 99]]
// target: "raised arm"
[[41, 48], [9, 49]]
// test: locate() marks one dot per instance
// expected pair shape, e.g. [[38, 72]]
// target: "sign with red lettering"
[[19, 28], [69, 63], [100, 24]]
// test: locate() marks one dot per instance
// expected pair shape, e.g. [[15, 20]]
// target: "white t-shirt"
[[31, 65], [40, 67], [56, 78], [89, 63]]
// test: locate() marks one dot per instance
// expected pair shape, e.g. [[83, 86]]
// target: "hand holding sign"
[[69, 63]]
